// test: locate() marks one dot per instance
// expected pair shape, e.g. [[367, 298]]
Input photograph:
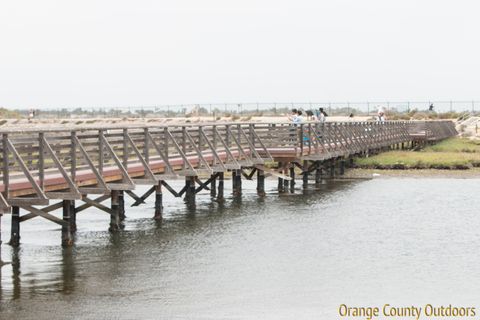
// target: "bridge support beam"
[[342, 167], [292, 175], [158, 201], [73, 217], [285, 181], [221, 182], [213, 186], [115, 223], [280, 180], [15, 227], [190, 189], [305, 174], [260, 183], [67, 238], [332, 168], [237, 182], [121, 205], [318, 172], [280, 185]]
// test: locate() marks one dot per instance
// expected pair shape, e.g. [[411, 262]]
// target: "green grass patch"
[[420, 160], [455, 153], [456, 144]]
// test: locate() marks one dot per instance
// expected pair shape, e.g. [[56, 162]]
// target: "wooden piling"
[[342, 167], [115, 213], [292, 175], [318, 172], [280, 180], [220, 186], [158, 201], [190, 189], [121, 205], [73, 217], [15, 228], [213, 186], [332, 168], [261, 183], [67, 238], [305, 174], [237, 182]]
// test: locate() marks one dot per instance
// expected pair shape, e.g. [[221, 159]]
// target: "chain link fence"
[[254, 109]]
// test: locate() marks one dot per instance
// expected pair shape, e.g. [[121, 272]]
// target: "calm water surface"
[[401, 241]]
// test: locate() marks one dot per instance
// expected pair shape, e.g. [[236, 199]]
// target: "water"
[[401, 241]]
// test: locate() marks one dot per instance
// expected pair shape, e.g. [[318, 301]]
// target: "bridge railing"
[[431, 130], [66, 163]]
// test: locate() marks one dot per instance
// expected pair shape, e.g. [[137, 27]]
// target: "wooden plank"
[[126, 181], [45, 215], [74, 193], [100, 181], [26, 172], [150, 177], [97, 205], [88, 205], [271, 172], [50, 208]]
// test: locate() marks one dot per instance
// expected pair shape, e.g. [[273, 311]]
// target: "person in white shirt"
[[299, 118], [293, 116], [381, 114]]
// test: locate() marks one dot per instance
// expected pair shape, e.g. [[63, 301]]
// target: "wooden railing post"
[[6, 174], [166, 142], [100, 151], [146, 147], [125, 149], [184, 145], [300, 138], [41, 160], [227, 135], [73, 155]]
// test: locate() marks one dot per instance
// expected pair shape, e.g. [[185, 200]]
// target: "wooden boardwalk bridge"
[[77, 168]]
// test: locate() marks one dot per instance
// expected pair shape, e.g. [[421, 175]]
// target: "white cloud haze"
[[145, 52]]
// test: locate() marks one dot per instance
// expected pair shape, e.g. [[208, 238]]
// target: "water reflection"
[[252, 255], [68, 283], [16, 271], [48, 274]]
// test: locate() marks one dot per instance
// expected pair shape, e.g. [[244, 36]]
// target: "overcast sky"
[[119, 53]]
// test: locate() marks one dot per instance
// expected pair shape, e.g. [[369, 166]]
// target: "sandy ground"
[[97, 122], [470, 127]]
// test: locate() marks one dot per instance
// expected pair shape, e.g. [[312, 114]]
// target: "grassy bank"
[[454, 153]]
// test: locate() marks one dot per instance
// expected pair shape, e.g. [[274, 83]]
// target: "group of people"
[[296, 116]]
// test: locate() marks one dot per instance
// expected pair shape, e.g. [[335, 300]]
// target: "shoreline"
[[473, 173]]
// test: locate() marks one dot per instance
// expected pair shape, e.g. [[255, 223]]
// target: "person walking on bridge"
[[322, 116], [381, 114]]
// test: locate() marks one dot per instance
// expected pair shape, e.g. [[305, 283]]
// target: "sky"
[[61, 53]]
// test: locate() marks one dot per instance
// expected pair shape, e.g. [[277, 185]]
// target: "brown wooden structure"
[[74, 169]]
